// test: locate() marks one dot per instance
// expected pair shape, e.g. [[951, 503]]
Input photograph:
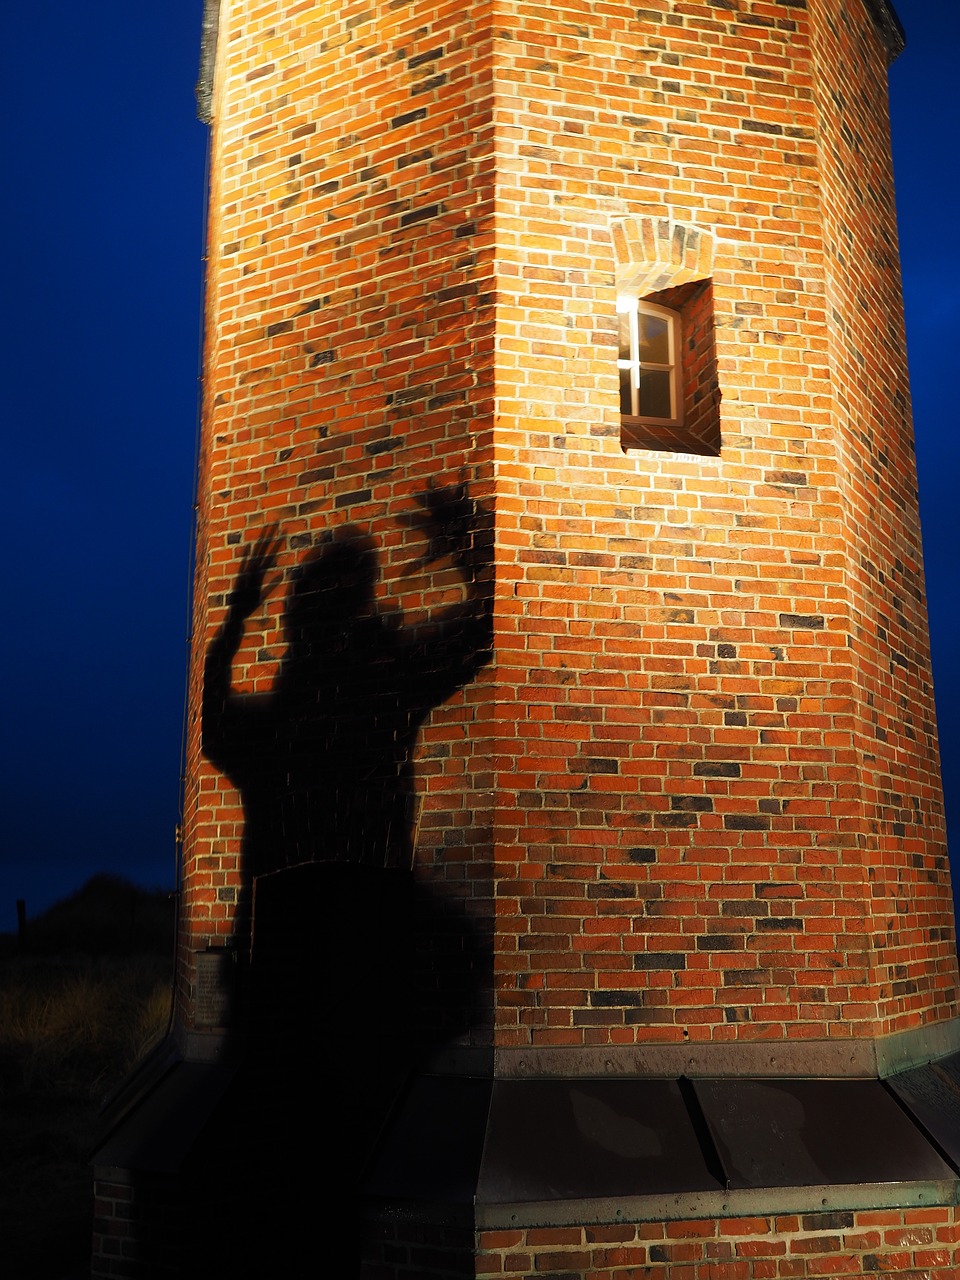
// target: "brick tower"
[[556, 401]]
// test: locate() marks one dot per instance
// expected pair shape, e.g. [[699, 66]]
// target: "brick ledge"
[[856, 1058]]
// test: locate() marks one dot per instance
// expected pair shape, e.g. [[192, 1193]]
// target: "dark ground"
[[84, 994]]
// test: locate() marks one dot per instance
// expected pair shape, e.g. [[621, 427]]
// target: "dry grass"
[[72, 1024]]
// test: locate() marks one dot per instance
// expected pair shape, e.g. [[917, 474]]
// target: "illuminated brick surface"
[[887, 1243]]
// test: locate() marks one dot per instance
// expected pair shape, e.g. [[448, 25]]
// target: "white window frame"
[[630, 305]]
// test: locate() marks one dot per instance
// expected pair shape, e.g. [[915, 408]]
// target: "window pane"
[[655, 394], [626, 399], [623, 318], [654, 339]]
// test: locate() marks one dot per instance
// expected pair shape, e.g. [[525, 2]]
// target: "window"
[[648, 362], [667, 366]]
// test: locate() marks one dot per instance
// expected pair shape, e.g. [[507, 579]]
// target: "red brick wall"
[[137, 1227], [910, 1244], [900, 827], [907, 1244], [685, 826], [699, 782]]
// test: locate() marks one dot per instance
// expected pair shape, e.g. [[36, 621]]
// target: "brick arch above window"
[[651, 254]]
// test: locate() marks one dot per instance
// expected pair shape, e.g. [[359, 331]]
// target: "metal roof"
[[575, 1151]]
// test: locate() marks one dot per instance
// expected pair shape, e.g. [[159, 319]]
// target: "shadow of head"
[[332, 587]]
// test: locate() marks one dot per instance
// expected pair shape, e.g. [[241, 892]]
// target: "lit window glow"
[[649, 340]]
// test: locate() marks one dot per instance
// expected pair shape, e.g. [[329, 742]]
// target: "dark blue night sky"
[[102, 227]]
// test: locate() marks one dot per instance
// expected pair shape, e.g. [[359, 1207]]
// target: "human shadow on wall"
[[350, 966], [322, 761]]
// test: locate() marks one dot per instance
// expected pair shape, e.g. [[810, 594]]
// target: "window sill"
[[635, 434]]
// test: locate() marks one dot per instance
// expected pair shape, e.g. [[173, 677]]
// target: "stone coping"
[[764, 1202], [854, 1057]]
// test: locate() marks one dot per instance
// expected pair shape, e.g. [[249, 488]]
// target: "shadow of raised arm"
[[452, 646], [220, 708]]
